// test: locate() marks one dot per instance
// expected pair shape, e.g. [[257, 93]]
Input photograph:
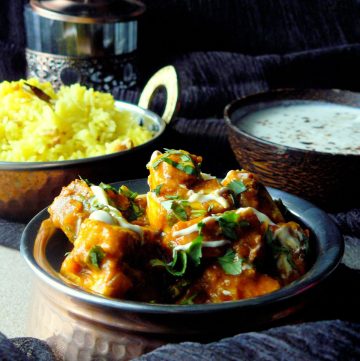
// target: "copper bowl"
[[84, 326], [330, 180], [28, 187]]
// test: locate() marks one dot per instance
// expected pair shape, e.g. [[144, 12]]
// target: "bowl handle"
[[164, 78]]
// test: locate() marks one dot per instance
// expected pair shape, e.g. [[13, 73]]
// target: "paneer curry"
[[192, 238]]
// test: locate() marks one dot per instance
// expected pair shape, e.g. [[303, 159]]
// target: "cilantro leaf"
[[194, 251], [178, 287], [179, 211], [228, 222], [195, 213], [158, 189], [176, 267], [96, 255], [127, 192], [86, 181], [237, 186], [189, 300], [106, 187], [278, 249], [244, 223], [186, 165], [230, 263], [188, 169], [133, 212], [172, 197]]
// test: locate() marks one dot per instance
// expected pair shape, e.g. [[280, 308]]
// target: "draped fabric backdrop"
[[222, 50]]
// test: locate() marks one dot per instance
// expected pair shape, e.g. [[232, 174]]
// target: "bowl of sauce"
[[306, 142]]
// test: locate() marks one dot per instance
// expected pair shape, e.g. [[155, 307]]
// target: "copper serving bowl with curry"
[[171, 262]]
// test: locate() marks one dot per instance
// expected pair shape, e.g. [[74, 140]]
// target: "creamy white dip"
[[312, 125]]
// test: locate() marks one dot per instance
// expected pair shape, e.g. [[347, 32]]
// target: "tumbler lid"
[[89, 11]]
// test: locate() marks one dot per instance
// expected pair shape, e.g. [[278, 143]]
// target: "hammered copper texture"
[[55, 318], [24, 193], [331, 181]]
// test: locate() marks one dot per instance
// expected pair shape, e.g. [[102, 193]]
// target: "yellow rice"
[[78, 123]]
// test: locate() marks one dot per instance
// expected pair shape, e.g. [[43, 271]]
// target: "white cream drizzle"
[[207, 244], [193, 228], [154, 155], [103, 216], [287, 239], [260, 216], [214, 196], [214, 244], [206, 176], [284, 266], [100, 196]]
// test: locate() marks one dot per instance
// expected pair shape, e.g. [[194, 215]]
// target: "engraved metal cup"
[[91, 42]]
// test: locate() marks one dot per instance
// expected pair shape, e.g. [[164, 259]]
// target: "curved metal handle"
[[166, 77]]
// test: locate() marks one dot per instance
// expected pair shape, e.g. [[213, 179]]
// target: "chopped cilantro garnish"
[[237, 186], [86, 181], [228, 222], [195, 213], [134, 212], [106, 187], [179, 211], [186, 168], [231, 263], [291, 261], [178, 287], [96, 255], [157, 189], [172, 197], [200, 225], [244, 223], [178, 265], [278, 249], [189, 300], [157, 162], [194, 251], [186, 165], [127, 192]]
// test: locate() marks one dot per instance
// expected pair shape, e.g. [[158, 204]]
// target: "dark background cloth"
[[223, 50]]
